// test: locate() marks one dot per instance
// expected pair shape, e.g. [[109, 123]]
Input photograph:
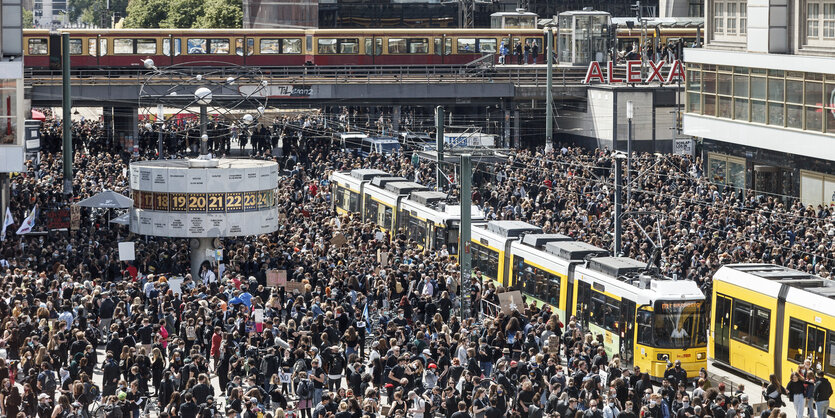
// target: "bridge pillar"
[[126, 126], [395, 120]]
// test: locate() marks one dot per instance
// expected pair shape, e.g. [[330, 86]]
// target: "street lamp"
[[203, 97], [630, 112]]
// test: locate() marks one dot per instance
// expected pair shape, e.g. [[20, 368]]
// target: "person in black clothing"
[[208, 409], [462, 411], [202, 390], [189, 409]]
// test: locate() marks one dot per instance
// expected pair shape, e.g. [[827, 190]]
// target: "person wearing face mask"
[[686, 409], [593, 411], [111, 373], [611, 410]]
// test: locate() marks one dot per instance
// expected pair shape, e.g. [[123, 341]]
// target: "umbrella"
[[107, 199], [38, 115], [123, 219]]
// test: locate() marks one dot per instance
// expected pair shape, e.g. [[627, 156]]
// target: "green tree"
[[94, 12], [182, 13], [221, 14], [146, 13], [28, 19]]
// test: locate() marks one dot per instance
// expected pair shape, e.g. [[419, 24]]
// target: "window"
[[743, 18], [348, 46], [239, 46], [327, 46], [750, 324], [397, 46], [418, 46], [719, 18], [354, 202], [291, 46], [797, 340], [486, 260], [536, 282], [146, 46], [829, 366], [166, 47], [644, 321], [196, 46], [38, 46], [466, 45], [820, 21], [76, 46], [102, 47], [123, 46], [370, 210], [91, 47], [487, 45], [270, 46], [730, 18], [377, 49], [219, 46], [829, 21]]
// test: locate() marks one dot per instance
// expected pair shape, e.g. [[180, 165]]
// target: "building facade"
[[761, 96]]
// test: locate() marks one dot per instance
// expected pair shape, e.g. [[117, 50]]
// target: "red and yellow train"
[[106, 48]]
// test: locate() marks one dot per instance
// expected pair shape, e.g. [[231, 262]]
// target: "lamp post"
[[629, 115], [203, 97], [549, 94]]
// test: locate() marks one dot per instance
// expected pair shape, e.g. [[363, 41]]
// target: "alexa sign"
[[633, 72]]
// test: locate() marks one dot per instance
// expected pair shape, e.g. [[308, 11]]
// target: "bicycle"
[[151, 407]]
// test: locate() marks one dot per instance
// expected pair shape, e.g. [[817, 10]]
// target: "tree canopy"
[[184, 14]]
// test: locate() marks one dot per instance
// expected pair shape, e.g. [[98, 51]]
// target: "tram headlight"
[[700, 356]]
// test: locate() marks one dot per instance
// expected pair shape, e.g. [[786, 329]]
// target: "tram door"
[[815, 341], [722, 329], [628, 329]]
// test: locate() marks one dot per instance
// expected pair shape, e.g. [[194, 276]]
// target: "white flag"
[[28, 223], [9, 220]]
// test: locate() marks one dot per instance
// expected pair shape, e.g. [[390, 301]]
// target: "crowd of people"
[[369, 335]]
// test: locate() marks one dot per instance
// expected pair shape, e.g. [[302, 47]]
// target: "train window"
[[291, 46], [166, 47], [326, 45], [219, 46], [91, 47], [102, 47], [146, 46], [418, 46], [397, 46], [196, 46], [123, 46], [270, 46], [76, 46], [466, 45], [797, 341], [239, 46], [530, 42], [378, 46], [349, 46], [447, 46], [487, 45], [38, 46]]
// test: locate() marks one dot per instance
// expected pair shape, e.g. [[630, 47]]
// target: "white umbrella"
[[107, 199], [123, 219]]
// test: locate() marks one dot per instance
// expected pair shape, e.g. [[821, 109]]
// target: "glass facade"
[[789, 99]]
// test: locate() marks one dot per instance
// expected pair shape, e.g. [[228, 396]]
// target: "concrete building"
[[50, 14], [761, 95]]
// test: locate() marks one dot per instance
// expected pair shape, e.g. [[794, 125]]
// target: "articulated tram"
[[646, 318], [396, 204], [770, 319]]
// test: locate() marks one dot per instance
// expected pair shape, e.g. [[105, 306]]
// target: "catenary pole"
[[67, 104], [439, 147], [464, 256]]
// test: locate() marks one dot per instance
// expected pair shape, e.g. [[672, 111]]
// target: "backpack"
[[303, 390], [49, 384]]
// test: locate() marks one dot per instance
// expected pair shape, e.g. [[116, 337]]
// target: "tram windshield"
[[680, 324]]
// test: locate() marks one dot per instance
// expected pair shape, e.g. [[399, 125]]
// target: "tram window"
[[440, 237], [466, 45], [644, 321], [486, 260], [487, 45], [612, 311], [829, 367], [597, 309], [741, 321], [196, 46], [123, 46], [291, 46], [797, 340], [370, 210], [327, 45], [387, 218], [146, 46], [270, 46], [91, 47], [354, 202], [337, 196], [219, 46], [416, 230], [397, 46], [76, 46], [760, 325], [38, 46]]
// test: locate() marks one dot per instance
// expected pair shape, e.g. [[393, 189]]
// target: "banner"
[[8, 221], [29, 222], [75, 217], [58, 219]]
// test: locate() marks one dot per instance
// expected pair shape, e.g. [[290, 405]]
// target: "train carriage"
[[770, 319]]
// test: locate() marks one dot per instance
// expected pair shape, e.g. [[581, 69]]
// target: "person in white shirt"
[[207, 275]]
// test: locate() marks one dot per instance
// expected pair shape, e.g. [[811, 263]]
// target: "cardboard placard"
[[175, 284], [338, 240], [510, 301], [290, 286], [127, 251], [276, 278], [75, 217]]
